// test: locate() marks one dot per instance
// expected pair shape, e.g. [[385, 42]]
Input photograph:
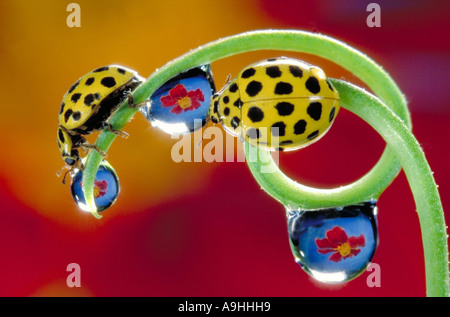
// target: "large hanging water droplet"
[[181, 105], [334, 245], [106, 187]]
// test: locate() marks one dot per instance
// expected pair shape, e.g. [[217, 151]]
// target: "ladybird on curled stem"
[[87, 106], [277, 104], [389, 106]]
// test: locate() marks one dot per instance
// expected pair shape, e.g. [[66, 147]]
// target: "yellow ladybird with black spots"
[[92, 99], [278, 104], [87, 106]]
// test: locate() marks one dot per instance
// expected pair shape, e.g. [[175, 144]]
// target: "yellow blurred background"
[[42, 57]]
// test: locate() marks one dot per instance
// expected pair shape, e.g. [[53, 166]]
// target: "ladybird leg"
[[133, 105], [228, 79], [88, 146], [130, 100], [65, 175], [109, 127]]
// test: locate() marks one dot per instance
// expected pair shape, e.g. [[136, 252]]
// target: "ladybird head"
[[73, 159], [73, 162]]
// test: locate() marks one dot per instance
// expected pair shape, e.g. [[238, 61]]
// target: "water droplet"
[[181, 105], [106, 187], [334, 245]]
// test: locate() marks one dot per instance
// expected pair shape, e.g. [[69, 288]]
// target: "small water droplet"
[[334, 245], [106, 187], [181, 105]]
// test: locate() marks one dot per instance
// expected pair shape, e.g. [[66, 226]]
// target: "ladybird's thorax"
[[214, 108], [70, 155], [64, 140], [229, 108], [68, 145]]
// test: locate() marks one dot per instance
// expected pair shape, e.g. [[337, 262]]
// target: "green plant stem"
[[289, 40], [369, 186], [415, 166]]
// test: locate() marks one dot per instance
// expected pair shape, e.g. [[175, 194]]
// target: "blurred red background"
[[200, 229]]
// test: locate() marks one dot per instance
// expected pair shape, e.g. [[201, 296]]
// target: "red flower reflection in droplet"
[[100, 188], [338, 242], [182, 100]]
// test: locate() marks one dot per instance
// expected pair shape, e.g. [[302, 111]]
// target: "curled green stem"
[[371, 185], [288, 40], [407, 150]]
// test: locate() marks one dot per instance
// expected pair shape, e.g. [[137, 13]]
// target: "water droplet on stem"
[[106, 187], [334, 245]]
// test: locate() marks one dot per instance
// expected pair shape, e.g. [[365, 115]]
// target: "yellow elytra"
[[90, 101], [278, 104]]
